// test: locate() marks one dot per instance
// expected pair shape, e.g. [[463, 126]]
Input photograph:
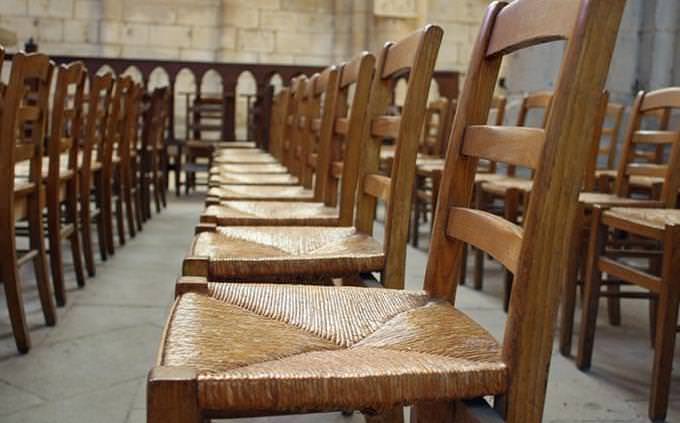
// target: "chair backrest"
[[438, 117], [320, 117], [614, 116], [66, 124], [347, 130], [415, 55], [97, 123], [606, 112], [535, 254], [278, 119], [532, 103], [291, 137], [26, 100], [497, 116], [117, 131], [665, 101]]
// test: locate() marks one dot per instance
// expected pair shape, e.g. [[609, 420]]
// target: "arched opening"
[[277, 82], [246, 89], [209, 112], [185, 91], [134, 73], [158, 78]]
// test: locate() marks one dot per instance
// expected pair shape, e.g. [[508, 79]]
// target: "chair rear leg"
[[37, 244], [12, 283], [126, 187], [56, 256], [86, 236], [76, 253]]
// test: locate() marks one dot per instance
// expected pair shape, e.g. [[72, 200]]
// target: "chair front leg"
[[592, 284]]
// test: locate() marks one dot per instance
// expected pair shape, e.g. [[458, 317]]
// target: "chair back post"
[[416, 55], [359, 73], [498, 104], [326, 89], [536, 253]]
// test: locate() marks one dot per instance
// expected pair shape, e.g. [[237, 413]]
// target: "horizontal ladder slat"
[[492, 234], [24, 152], [646, 169], [655, 137], [629, 274], [512, 145], [378, 186], [386, 126], [341, 126]]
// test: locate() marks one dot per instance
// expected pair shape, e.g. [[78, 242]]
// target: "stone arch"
[[246, 89]]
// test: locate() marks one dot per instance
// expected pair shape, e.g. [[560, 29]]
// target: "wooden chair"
[[24, 112], [512, 190], [629, 168], [660, 225], [228, 252], [95, 176], [340, 131], [375, 350], [63, 171]]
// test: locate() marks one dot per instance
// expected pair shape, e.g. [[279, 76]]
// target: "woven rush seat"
[[253, 179], [280, 348], [243, 156], [228, 145], [272, 251], [248, 168], [653, 218], [262, 192], [271, 213], [592, 198], [501, 185]]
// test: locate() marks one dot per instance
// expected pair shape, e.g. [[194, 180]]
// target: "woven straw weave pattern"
[[238, 192], [276, 213], [655, 218], [293, 348], [248, 168], [253, 179], [611, 199], [312, 250]]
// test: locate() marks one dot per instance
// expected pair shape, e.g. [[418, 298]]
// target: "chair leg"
[[592, 284], [12, 283], [107, 213], [120, 223], [86, 234], [478, 278], [76, 253], [37, 244], [570, 285], [56, 256], [669, 299], [463, 265], [415, 217], [172, 396], [614, 304], [126, 186]]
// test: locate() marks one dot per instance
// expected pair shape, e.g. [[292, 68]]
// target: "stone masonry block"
[[170, 36], [255, 40]]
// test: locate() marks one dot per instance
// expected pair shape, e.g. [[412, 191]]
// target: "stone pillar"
[[665, 34]]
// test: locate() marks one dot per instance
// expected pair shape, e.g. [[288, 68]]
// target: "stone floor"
[[91, 367]]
